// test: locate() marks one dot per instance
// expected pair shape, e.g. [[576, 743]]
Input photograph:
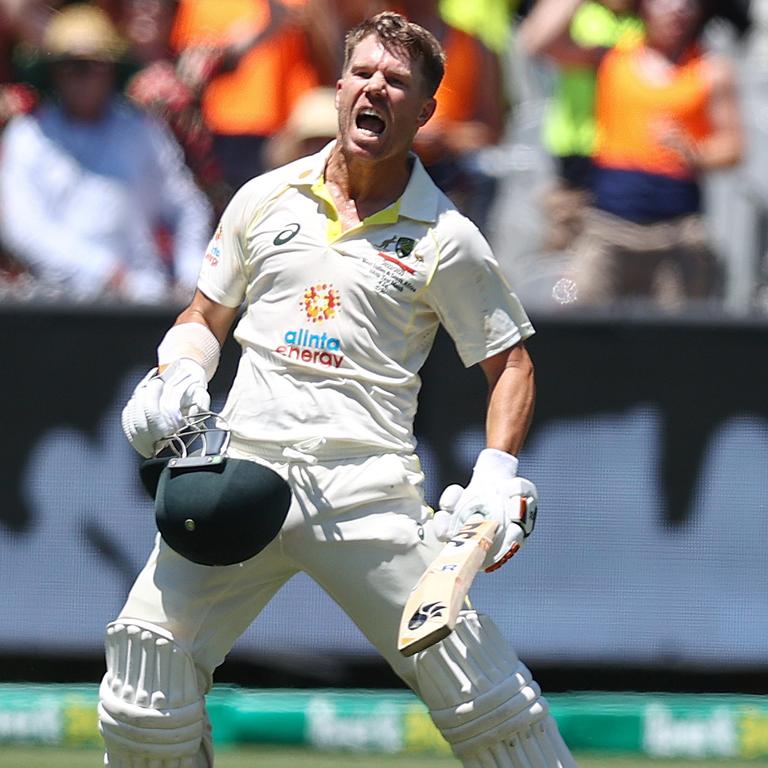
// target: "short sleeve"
[[470, 295], [222, 276]]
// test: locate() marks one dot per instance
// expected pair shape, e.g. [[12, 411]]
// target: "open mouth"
[[369, 122]]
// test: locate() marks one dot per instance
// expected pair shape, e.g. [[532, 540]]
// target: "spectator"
[[311, 125], [490, 20], [551, 29], [158, 88], [667, 113], [326, 23], [21, 22], [250, 60], [470, 114], [89, 184]]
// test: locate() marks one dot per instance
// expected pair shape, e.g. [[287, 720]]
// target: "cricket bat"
[[435, 601]]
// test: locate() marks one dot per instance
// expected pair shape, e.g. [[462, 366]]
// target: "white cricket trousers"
[[354, 526]]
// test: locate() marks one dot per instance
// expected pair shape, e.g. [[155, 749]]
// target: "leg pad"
[[151, 707], [485, 702]]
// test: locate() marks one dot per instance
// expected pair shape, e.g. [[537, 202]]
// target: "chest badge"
[[402, 247]]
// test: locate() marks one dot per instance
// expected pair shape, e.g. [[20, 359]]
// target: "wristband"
[[193, 341], [494, 463]]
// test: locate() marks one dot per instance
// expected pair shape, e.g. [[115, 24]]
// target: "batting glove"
[[494, 492], [161, 401]]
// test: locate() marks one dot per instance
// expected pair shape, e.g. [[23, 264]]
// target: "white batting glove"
[[495, 492], [161, 401]]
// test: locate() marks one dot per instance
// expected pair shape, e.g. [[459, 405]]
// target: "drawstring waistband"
[[304, 450]]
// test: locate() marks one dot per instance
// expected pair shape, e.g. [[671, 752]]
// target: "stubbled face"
[[671, 24], [382, 101]]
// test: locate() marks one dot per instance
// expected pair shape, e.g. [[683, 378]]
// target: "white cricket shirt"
[[337, 325]]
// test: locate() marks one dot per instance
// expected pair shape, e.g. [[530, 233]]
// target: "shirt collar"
[[419, 201]]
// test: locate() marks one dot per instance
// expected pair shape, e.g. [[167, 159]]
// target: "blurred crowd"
[[127, 125]]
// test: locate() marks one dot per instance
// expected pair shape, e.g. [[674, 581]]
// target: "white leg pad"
[[151, 706], [485, 702]]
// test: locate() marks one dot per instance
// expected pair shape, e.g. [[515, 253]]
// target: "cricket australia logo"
[[321, 302], [425, 612], [396, 265], [402, 247]]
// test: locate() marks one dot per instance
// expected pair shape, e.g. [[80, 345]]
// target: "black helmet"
[[210, 508]]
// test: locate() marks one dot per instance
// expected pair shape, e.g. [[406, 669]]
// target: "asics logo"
[[290, 231]]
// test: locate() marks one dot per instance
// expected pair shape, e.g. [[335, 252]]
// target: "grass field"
[[42, 757]]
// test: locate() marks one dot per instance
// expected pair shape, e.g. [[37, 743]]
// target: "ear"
[[336, 96], [427, 111]]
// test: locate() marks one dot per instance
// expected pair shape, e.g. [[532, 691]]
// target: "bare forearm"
[[214, 316], [546, 25], [724, 147], [511, 400], [719, 152]]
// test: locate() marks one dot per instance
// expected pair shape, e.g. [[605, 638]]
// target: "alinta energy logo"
[[319, 303]]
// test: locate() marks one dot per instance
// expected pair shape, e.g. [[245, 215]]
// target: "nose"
[[376, 83]]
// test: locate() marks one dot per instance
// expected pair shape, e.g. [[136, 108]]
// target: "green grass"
[[54, 757]]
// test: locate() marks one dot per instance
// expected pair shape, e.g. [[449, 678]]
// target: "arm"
[[215, 317], [30, 221], [495, 491], [479, 120], [197, 335], [199, 61], [478, 309], [545, 33], [511, 398], [325, 37], [486, 127], [724, 146], [186, 360], [183, 207]]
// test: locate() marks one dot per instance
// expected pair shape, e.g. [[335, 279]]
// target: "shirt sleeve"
[[223, 275], [470, 295], [28, 214], [184, 205]]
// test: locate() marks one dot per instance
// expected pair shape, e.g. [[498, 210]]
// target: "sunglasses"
[[80, 67]]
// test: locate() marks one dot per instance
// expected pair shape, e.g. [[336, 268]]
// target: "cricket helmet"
[[210, 508]]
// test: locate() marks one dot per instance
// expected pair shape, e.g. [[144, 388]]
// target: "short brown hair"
[[396, 33]]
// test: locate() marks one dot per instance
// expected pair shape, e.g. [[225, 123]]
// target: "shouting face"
[[382, 101]]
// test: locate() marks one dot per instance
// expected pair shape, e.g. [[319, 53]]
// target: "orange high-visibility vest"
[[258, 96], [631, 112]]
